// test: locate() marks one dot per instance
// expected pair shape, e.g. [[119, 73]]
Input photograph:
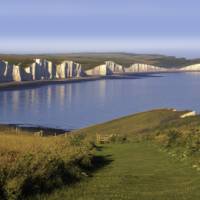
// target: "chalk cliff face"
[[101, 70], [69, 69], [144, 68], [108, 68], [16, 75], [115, 68], [8, 72], [3, 70], [42, 70], [195, 67], [39, 70]]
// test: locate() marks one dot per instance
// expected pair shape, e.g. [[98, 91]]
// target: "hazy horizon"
[[65, 26]]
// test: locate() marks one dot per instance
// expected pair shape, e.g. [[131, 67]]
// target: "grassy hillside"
[[90, 60], [136, 171], [150, 155], [135, 125], [179, 136], [159, 160]]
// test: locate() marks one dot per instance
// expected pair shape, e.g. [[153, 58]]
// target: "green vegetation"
[[147, 156], [137, 125], [24, 61], [137, 171], [140, 168], [32, 164], [90, 60]]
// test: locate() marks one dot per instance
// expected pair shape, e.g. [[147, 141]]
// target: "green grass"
[[139, 171], [155, 162], [137, 124]]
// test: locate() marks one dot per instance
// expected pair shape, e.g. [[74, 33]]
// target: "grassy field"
[[142, 167], [150, 155], [137, 171]]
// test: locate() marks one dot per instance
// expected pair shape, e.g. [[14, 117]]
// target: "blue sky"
[[142, 26]]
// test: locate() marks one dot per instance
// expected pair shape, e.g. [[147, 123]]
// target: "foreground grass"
[[137, 171], [142, 170]]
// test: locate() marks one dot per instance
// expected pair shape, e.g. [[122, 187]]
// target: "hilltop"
[[90, 60]]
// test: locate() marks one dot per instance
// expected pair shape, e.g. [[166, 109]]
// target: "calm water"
[[75, 105]]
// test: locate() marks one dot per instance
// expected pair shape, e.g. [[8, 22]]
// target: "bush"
[[193, 142], [168, 138], [162, 139], [173, 137], [118, 138], [31, 165], [77, 139]]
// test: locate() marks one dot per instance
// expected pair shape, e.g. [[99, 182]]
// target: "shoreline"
[[37, 83], [31, 84], [54, 131], [33, 129]]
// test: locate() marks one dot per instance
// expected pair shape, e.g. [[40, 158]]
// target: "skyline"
[[143, 26]]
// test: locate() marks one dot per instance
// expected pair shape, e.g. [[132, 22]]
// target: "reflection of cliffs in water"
[[39, 70]]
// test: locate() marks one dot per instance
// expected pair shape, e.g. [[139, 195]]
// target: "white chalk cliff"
[[39, 70], [144, 68], [68, 69], [108, 68], [42, 69], [100, 70], [115, 68], [195, 67], [9, 72]]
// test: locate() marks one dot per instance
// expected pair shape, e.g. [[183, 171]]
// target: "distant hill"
[[90, 60]]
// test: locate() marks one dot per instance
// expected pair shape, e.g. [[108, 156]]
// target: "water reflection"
[[102, 90], [81, 104]]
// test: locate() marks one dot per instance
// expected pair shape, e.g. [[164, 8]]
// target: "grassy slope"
[[138, 169], [89, 60], [141, 123], [133, 170]]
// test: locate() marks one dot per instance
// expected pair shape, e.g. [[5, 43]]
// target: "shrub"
[[162, 139], [173, 137], [193, 142], [77, 139], [31, 165], [118, 138]]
